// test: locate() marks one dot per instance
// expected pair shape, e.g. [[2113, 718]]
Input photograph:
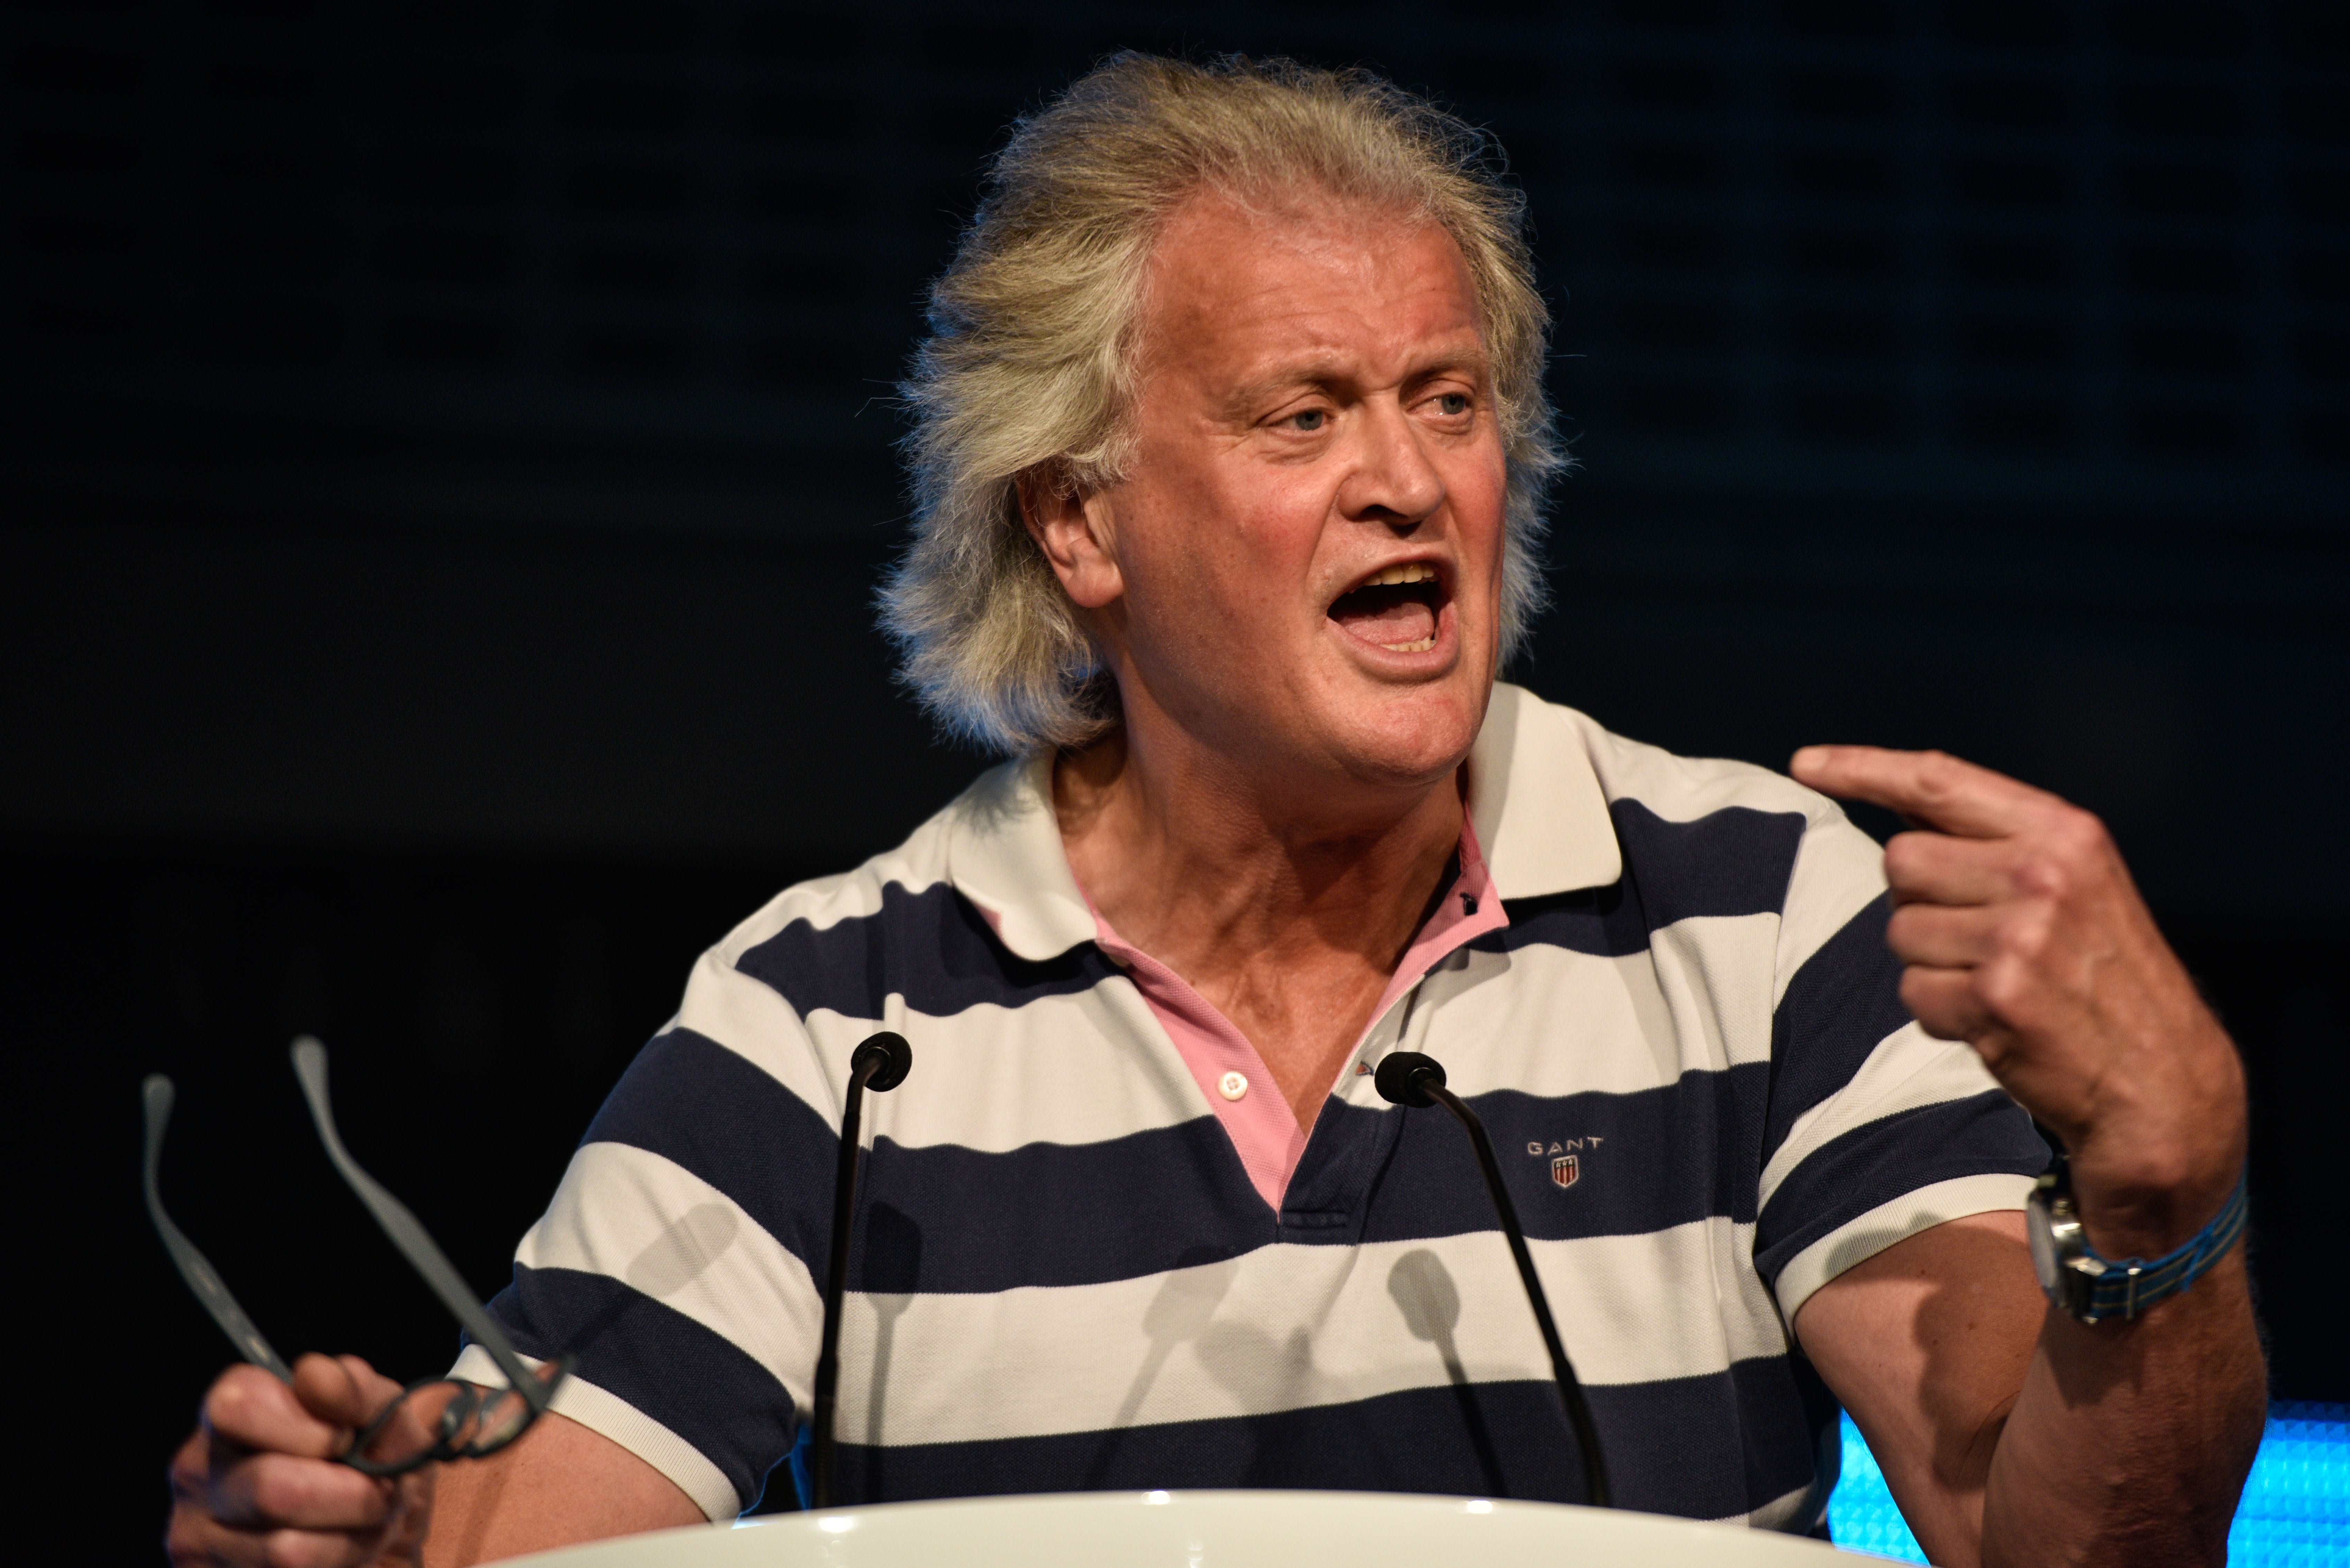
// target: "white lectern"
[[1206, 1529]]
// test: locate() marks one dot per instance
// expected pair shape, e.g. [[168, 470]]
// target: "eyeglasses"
[[434, 1419]]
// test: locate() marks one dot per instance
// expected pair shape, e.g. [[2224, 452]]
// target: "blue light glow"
[[2295, 1513]]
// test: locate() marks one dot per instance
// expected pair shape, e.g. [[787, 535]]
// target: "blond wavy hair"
[[1029, 365]]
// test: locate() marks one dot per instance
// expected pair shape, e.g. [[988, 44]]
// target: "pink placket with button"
[[1238, 1085]]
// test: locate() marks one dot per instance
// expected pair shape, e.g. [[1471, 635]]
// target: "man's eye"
[[1309, 419], [1452, 402]]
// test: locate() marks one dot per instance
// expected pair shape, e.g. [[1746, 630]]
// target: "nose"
[[1393, 482]]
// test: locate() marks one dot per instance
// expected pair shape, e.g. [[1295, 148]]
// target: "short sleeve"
[[1873, 1130], [677, 1261]]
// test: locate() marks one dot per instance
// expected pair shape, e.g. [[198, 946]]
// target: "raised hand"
[[257, 1483], [2023, 935]]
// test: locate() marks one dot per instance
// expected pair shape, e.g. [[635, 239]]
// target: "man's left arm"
[[2006, 1427]]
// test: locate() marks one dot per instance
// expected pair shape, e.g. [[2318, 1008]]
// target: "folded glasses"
[[434, 1419]]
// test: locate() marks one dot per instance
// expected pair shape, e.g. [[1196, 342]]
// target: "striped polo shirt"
[[1684, 1035]]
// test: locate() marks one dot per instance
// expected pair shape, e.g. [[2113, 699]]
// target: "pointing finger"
[[1930, 787]]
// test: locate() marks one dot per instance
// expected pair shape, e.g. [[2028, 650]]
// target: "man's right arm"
[[561, 1484], [664, 1155], [254, 1485]]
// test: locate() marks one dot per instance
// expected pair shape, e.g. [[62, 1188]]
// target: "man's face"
[[1305, 563]]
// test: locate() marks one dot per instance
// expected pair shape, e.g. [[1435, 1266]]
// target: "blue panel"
[[1861, 1515], [2295, 1511], [2296, 1507]]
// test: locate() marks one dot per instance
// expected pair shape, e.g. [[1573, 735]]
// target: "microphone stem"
[[836, 1283], [1578, 1413]]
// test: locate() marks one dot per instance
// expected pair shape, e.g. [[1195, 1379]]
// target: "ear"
[[1074, 530]]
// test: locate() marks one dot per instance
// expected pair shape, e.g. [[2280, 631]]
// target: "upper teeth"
[[1416, 572]]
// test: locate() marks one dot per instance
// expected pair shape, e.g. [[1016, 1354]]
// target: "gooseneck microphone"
[[1408, 1079], [879, 1064]]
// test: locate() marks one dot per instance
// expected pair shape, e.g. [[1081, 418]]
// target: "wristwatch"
[[2077, 1280]]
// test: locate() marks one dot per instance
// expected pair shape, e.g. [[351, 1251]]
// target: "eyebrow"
[[1313, 370]]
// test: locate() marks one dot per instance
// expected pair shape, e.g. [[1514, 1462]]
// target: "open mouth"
[[1397, 608]]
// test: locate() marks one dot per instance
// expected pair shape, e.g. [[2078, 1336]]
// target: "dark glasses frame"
[[456, 1433]]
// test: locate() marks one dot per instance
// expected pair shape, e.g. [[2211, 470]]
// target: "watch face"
[[2043, 1242]]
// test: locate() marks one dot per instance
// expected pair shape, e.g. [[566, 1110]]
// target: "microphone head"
[[1404, 1076], [891, 1060]]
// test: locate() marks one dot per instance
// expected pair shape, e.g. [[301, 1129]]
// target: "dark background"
[[448, 456]]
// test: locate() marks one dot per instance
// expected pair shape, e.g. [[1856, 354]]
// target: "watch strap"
[[2127, 1287]]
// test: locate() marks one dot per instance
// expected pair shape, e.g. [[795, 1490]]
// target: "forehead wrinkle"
[[1185, 327]]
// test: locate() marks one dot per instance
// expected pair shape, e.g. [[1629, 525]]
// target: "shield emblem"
[[1564, 1169]]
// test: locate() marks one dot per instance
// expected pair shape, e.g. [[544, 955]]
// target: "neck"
[[1215, 869]]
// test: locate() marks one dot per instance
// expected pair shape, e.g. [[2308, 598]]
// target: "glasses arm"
[[155, 1096], [409, 1235]]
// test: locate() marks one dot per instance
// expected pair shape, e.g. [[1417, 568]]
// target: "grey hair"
[[1028, 369]]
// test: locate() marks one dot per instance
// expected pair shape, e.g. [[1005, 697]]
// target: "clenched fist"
[[258, 1485]]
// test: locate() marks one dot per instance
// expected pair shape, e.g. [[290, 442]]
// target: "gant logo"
[[1566, 1156]]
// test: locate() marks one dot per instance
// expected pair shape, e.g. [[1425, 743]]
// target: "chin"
[[1412, 737]]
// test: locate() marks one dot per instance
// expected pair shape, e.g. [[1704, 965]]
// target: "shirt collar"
[[1534, 797], [1534, 801], [1005, 854]]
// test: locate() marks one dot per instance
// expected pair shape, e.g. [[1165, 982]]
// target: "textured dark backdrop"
[[450, 455]]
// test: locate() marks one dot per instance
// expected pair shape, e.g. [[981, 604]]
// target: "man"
[[1231, 440]]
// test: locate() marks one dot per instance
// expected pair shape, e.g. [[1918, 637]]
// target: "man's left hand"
[[2023, 935]]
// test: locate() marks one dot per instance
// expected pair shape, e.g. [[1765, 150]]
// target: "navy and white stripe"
[[1062, 1277]]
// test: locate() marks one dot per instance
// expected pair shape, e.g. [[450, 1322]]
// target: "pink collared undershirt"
[[1260, 1124]]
